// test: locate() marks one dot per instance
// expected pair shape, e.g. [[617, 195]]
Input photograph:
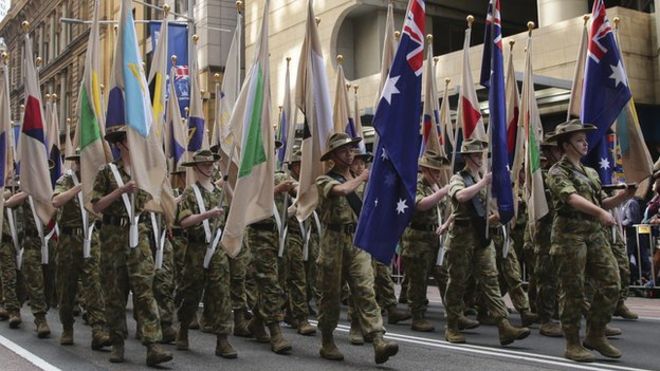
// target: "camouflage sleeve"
[[280, 177], [325, 184], [101, 184], [63, 184], [188, 205], [456, 184], [419, 194], [560, 184]]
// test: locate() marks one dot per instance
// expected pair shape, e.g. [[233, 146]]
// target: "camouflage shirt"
[[188, 207], [104, 184], [464, 211], [69, 214], [428, 217], [333, 209], [564, 179]]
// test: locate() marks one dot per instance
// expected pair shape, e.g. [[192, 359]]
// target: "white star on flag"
[[604, 163], [401, 206], [383, 155], [618, 75], [376, 203], [390, 88]]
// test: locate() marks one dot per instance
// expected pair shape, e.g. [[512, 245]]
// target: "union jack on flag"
[[182, 87], [414, 28]]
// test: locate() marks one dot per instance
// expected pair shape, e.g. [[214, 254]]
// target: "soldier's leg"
[[218, 302], [384, 285], [179, 246], [546, 295], [311, 269], [92, 295], [330, 280], [238, 270], [68, 271], [164, 293], [620, 254], [115, 281], [193, 279], [417, 274], [34, 279], [509, 270], [9, 278], [297, 280]]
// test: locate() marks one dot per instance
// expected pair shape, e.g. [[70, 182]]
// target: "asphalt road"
[[22, 350]]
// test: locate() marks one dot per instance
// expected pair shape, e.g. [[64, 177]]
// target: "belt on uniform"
[[115, 220], [346, 228], [71, 230], [462, 222], [178, 232], [424, 227], [264, 226]]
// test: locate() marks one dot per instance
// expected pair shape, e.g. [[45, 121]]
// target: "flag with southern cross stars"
[[493, 62], [390, 197], [606, 91]]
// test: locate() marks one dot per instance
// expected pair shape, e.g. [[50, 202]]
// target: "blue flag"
[[606, 90], [501, 187], [390, 197]]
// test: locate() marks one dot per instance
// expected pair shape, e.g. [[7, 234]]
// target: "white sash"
[[159, 240], [87, 229], [202, 209], [133, 230], [40, 232]]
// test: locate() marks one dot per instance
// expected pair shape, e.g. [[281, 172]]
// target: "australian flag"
[[390, 197], [493, 65], [606, 90]]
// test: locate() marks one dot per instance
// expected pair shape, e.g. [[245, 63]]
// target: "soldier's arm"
[[187, 218], [468, 193], [16, 200], [350, 186], [102, 200], [64, 193], [618, 198], [430, 201]]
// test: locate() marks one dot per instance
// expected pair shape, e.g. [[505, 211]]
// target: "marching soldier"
[[125, 266], [75, 262], [469, 252], [579, 245], [420, 242], [9, 252], [339, 260], [206, 267]]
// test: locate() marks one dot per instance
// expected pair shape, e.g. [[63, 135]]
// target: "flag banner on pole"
[[575, 100], [469, 114], [32, 148], [390, 197], [431, 128], [177, 35], [341, 114], [6, 160], [253, 197], [501, 186], [313, 100], [53, 141], [357, 121], [512, 112], [389, 48], [287, 130], [175, 130], [605, 92], [635, 157], [158, 79]]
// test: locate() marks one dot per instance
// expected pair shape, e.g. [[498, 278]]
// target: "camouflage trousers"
[[311, 268], [9, 274], [508, 267], [179, 246], [546, 285], [579, 256], [338, 262], [621, 256], [264, 245], [238, 268], [125, 268], [293, 276], [213, 282], [466, 258], [33, 274], [164, 284], [420, 253], [72, 267], [383, 284]]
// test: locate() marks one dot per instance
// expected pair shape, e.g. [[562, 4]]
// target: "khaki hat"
[[365, 156], [75, 156], [202, 157], [434, 160], [296, 156], [568, 128], [337, 141], [115, 134], [473, 146], [546, 143]]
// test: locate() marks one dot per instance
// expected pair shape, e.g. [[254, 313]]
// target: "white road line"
[[27, 355], [502, 353]]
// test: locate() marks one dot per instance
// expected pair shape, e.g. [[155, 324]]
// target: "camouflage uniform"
[[340, 261], [72, 266], [509, 272], [545, 270], [214, 281], [619, 250], [31, 269], [420, 252], [469, 255], [577, 247], [383, 284], [8, 265], [124, 267]]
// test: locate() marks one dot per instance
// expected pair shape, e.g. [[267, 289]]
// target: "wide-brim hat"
[[569, 128], [295, 157], [203, 156], [74, 157], [116, 134], [339, 140], [547, 143], [365, 156], [434, 160], [473, 146]]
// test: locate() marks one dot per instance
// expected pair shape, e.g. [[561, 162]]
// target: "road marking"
[[27, 355], [500, 352]]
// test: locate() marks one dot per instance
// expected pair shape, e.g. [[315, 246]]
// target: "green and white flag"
[[251, 121]]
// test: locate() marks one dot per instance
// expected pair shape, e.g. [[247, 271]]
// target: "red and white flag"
[[469, 114]]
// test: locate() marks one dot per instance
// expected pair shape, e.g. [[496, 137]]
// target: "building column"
[[553, 11]]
